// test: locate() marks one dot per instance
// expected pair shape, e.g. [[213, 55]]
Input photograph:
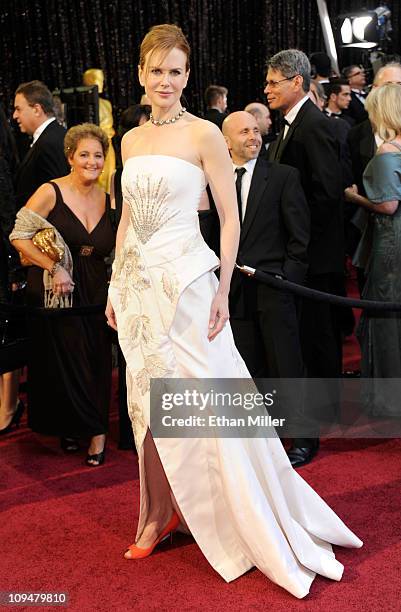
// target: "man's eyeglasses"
[[276, 83], [356, 74]]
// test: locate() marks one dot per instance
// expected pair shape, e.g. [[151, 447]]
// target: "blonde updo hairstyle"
[[81, 131], [163, 38], [384, 108]]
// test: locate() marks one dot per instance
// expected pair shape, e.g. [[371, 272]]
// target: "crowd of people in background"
[[329, 183]]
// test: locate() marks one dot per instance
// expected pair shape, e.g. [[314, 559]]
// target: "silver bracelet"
[[55, 268]]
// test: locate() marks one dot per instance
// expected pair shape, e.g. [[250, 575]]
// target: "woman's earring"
[[72, 169]]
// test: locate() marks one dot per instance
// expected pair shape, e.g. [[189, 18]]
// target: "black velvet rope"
[[16, 312], [285, 285]]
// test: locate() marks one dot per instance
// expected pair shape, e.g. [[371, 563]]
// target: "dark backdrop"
[[57, 40]]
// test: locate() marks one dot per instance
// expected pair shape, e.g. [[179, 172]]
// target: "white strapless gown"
[[243, 502]]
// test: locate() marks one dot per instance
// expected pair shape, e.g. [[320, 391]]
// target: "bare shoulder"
[[387, 147], [205, 131], [45, 192], [210, 145], [43, 200], [130, 138], [203, 126]]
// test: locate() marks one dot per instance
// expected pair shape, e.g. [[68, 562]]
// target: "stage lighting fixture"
[[365, 29]]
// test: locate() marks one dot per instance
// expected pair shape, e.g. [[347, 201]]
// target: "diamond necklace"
[[167, 121]]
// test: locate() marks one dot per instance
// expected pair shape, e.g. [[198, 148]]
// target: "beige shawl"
[[26, 225]]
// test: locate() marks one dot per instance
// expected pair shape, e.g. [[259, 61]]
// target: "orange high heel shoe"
[[141, 553]]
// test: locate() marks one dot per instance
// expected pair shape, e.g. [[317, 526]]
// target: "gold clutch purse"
[[45, 241]]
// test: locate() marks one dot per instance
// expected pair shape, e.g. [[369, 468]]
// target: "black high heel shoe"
[[16, 418], [98, 457]]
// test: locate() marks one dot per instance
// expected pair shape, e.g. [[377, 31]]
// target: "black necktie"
[[238, 184]]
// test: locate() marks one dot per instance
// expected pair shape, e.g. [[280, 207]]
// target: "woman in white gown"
[[240, 498]]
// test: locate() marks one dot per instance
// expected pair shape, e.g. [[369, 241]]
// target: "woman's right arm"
[[42, 202], [123, 225], [385, 208], [121, 231]]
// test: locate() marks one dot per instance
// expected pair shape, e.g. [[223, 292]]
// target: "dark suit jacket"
[[44, 161], [356, 109], [311, 146], [350, 121], [362, 146], [276, 229], [341, 129], [209, 223], [215, 116]]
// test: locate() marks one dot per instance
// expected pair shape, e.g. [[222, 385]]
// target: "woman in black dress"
[[70, 365]]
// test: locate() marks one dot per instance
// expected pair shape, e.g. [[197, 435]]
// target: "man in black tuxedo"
[[355, 76], [308, 143], [275, 230], [338, 100], [216, 104], [45, 160]]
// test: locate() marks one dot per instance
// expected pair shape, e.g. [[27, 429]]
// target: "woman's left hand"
[[350, 192], [219, 315]]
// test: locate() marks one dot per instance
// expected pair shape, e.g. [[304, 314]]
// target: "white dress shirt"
[[291, 115], [329, 112], [359, 95], [246, 182], [41, 129]]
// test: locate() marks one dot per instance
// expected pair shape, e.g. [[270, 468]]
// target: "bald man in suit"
[[275, 230]]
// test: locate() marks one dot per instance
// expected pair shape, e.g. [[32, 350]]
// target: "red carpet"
[[64, 528], [351, 350]]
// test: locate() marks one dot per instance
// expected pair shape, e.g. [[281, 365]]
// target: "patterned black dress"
[[69, 372], [380, 332]]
